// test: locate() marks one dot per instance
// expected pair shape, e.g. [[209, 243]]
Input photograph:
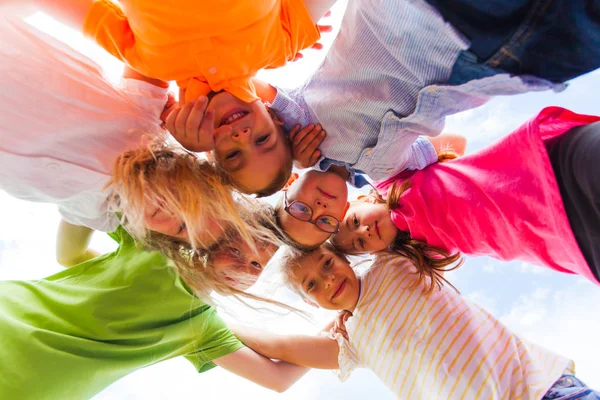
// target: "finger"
[[293, 132], [308, 139], [314, 144], [181, 96], [181, 122], [298, 56], [327, 14], [317, 46], [170, 122], [196, 116], [314, 157], [302, 134], [325, 28]]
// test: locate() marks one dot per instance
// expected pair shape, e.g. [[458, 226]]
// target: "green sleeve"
[[217, 341]]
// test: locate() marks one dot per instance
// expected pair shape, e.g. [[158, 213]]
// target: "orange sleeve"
[[296, 20], [106, 24], [242, 88]]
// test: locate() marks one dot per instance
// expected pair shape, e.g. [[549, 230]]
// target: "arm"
[[275, 375], [318, 8], [72, 243], [308, 351]]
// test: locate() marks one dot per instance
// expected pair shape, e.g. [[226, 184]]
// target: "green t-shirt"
[[71, 335]]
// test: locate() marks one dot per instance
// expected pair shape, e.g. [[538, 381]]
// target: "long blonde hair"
[[177, 181]]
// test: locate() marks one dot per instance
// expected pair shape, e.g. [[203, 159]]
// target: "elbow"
[[281, 387]]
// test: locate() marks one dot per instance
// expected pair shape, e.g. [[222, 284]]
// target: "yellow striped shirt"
[[439, 346]]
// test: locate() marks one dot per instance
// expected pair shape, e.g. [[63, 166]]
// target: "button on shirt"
[[203, 45], [381, 86]]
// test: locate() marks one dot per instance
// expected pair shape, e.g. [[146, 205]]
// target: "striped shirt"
[[439, 346], [379, 88]]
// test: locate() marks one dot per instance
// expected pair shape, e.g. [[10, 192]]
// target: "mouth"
[[377, 230], [232, 116], [339, 290], [328, 195]]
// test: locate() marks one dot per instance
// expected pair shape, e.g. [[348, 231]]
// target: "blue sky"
[[555, 310]]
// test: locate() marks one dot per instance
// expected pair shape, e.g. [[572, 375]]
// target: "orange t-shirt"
[[203, 45]]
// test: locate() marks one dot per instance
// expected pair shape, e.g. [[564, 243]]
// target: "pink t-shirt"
[[502, 201]]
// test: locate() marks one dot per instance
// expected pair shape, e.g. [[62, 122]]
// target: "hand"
[[193, 128], [305, 145], [170, 105], [339, 325], [317, 45]]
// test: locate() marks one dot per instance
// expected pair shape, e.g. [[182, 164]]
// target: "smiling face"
[[326, 194], [237, 266], [327, 280], [256, 153], [366, 228]]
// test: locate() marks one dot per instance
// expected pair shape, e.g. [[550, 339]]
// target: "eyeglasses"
[[302, 212]]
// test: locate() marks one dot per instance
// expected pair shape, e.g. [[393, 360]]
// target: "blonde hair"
[[166, 176]]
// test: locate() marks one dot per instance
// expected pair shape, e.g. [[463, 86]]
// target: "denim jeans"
[[570, 388], [552, 39]]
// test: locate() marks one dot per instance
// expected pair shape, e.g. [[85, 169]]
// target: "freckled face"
[[328, 280]]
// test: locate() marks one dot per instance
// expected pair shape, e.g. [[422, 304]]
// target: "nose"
[[364, 231], [328, 279], [241, 133]]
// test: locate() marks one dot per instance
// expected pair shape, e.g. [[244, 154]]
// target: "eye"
[[263, 139], [182, 228], [310, 285], [256, 264], [327, 264], [361, 243], [235, 251], [232, 155], [355, 221]]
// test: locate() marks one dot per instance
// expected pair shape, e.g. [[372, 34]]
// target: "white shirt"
[[439, 346], [62, 124]]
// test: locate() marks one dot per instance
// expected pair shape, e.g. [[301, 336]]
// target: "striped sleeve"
[[348, 360]]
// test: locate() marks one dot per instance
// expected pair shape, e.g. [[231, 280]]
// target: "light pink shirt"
[[62, 124], [502, 201]]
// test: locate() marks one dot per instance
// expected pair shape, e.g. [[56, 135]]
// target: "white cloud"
[[533, 269]]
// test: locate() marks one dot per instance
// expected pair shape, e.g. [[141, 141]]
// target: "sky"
[[552, 309]]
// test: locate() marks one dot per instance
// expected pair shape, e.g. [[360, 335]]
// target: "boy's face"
[[237, 266], [367, 228], [327, 280], [256, 151], [326, 194]]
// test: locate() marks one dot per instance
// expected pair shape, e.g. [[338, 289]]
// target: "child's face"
[[163, 221], [367, 228], [326, 194], [237, 266], [327, 280], [256, 151]]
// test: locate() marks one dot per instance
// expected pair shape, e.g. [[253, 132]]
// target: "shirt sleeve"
[[148, 97], [106, 24], [422, 153], [290, 109], [348, 360], [216, 340]]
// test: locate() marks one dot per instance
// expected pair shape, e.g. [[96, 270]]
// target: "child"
[[531, 196], [205, 47], [67, 134], [375, 103], [421, 346], [71, 335]]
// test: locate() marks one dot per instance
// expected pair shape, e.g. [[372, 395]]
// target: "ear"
[[367, 199], [292, 179], [345, 211], [310, 303]]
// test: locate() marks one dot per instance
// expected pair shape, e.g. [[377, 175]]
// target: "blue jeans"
[[570, 388], [552, 39]]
